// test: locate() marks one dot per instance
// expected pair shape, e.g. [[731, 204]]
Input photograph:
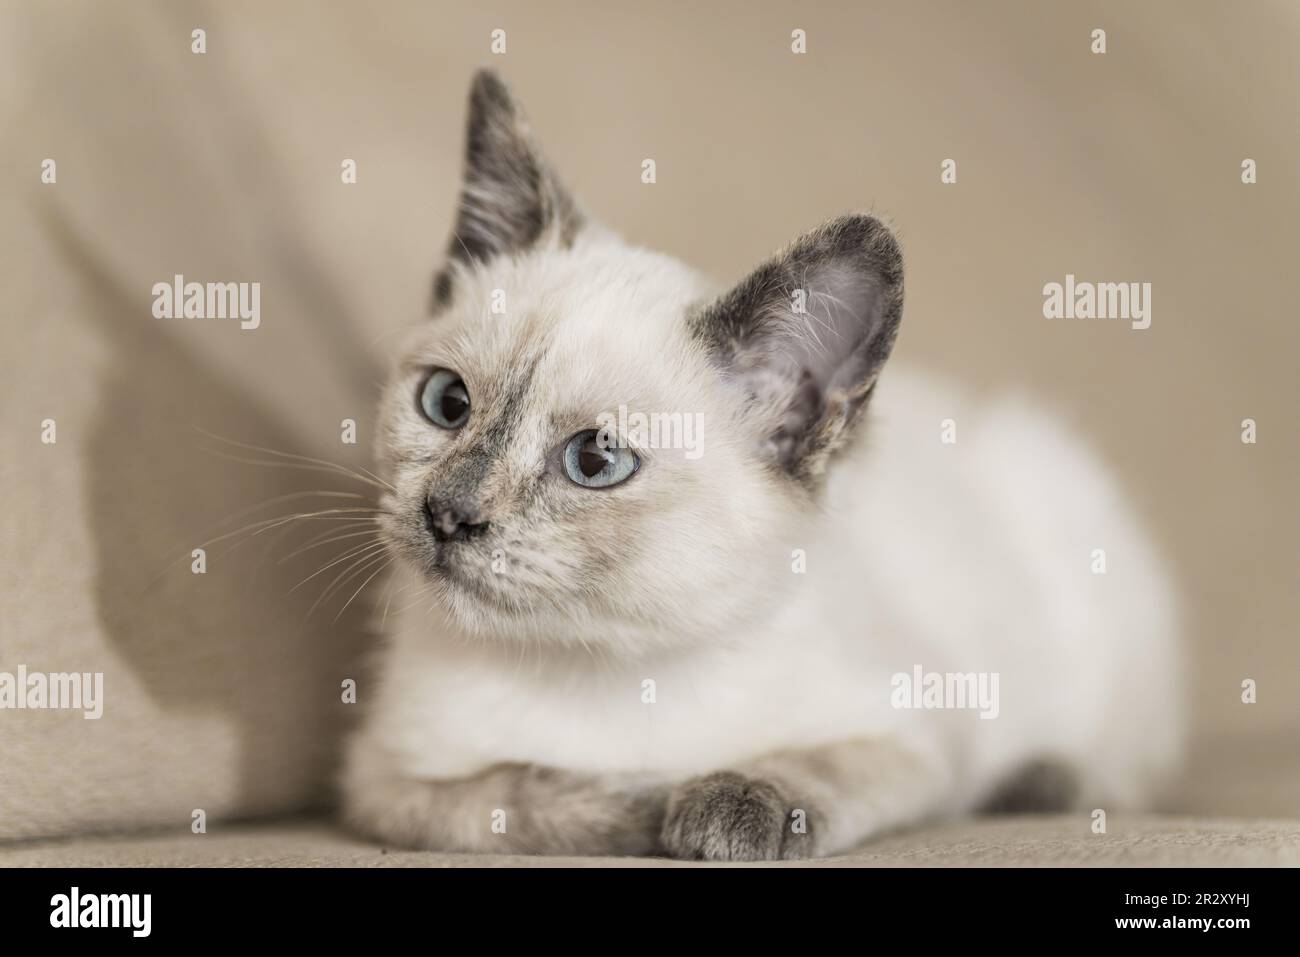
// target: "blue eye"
[[444, 400], [589, 463]]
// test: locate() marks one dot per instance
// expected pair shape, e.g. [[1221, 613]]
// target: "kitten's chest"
[[447, 713]]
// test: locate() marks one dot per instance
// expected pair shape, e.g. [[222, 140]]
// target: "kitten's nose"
[[449, 522]]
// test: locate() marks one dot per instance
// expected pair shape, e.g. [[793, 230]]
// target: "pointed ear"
[[806, 335], [509, 201]]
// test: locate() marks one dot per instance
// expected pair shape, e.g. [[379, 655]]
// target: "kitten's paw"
[[728, 817]]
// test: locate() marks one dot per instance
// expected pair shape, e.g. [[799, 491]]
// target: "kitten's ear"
[[806, 336], [509, 200]]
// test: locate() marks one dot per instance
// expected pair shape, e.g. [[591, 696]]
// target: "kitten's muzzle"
[[449, 522]]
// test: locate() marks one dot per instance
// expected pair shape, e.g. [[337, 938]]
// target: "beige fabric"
[[222, 694], [1145, 841]]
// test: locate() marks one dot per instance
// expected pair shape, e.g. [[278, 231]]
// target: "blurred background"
[[223, 689]]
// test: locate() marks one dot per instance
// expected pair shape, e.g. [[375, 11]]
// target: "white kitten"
[[626, 649]]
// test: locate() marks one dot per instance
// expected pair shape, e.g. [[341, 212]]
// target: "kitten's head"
[[588, 443]]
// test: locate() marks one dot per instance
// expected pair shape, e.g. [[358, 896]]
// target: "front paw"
[[729, 817]]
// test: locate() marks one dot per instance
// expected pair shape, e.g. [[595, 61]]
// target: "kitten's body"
[[521, 687]]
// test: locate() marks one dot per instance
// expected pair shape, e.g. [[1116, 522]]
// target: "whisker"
[[352, 552], [345, 576], [287, 526], [376, 478], [350, 523], [388, 597], [314, 543], [266, 523], [327, 467], [274, 542], [261, 525], [363, 585], [279, 499], [342, 469], [423, 594], [276, 523]]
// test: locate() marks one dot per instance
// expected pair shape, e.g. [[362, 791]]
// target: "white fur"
[[968, 557]]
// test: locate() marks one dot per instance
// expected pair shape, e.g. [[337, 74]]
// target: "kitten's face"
[[515, 532], [518, 495]]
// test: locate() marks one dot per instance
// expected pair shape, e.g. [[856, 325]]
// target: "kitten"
[[625, 650]]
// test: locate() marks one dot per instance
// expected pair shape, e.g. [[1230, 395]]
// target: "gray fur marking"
[[728, 817], [1039, 787], [510, 200], [814, 371]]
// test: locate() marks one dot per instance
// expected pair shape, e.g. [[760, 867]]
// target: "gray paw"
[[728, 817]]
